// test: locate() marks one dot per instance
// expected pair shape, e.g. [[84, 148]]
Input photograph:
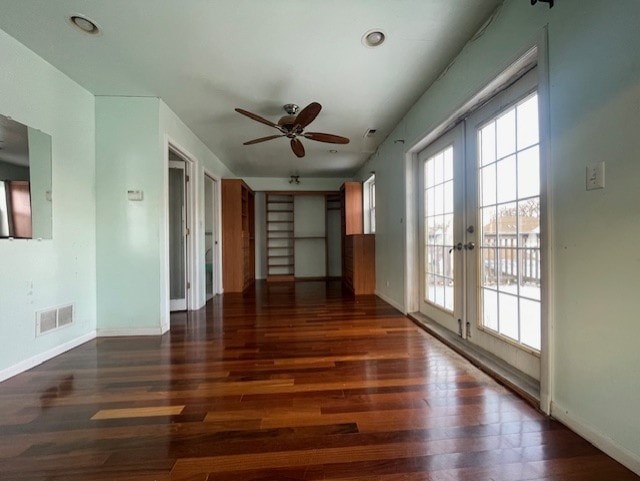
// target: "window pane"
[[438, 161], [487, 139], [489, 226], [429, 173], [489, 275], [448, 164], [530, 323], [527, 113], [508, 270], [490, 309], [430, 200], [438, 199], [507, 179], [506, 134], [508, 315], [488, 185], [529, 172], [448, 197], [448, 230]]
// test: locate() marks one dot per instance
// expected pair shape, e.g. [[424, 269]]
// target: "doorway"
[[178, 233], [211, 256]]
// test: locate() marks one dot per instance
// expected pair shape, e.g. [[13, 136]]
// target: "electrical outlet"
[[595, 175], [387, 284]]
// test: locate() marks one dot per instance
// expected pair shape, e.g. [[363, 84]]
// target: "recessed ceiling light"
[[333, 151], [83, 24], [373, 38]]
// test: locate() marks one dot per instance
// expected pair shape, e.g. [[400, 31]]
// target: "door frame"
[[217, 243], [535, 53], [181, 304], [194, 271]]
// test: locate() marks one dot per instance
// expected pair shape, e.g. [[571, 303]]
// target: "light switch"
[[595, 175]]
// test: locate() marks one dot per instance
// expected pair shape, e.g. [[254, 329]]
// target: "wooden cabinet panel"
[[359, 273], [352, 221], [358, 249], [238, 235]]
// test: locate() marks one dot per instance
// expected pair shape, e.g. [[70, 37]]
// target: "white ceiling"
[[206, 57]]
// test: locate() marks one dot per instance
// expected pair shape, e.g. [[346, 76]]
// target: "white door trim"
[[217, 281]]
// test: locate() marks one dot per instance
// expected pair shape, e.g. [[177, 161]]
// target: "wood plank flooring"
[[287, 382]]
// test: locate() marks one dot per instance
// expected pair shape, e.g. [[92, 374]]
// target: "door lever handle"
[[458, 247]]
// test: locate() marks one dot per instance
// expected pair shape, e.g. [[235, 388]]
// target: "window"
[[369, 200]]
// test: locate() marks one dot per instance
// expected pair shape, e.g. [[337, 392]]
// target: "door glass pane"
[[530, 322], [527, 113], [509, 211], [506, 134], [438, 195]]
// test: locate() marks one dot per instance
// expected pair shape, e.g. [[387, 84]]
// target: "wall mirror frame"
[[25, 181]]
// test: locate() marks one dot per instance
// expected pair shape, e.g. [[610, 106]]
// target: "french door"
[[481, 235], [441, 225]]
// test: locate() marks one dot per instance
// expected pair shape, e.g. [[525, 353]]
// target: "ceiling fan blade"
[[257, 118], [297, 148], [329, 138], [262, 139], [307, 115]]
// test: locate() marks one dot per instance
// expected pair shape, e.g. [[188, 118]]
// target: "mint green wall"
[[48, 273], [132, 135], [594, 79], [128, 157]]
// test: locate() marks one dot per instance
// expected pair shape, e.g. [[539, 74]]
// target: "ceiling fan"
[[292, 126]]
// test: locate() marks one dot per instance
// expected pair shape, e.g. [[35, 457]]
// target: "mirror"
[[25, 181]]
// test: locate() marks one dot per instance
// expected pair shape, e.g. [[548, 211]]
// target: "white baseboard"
[[598, 439], [38, 359], [388, 300], [129, 332]]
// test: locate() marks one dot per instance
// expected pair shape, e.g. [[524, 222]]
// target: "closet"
[[302, 236]]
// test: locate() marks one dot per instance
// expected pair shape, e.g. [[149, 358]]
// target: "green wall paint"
[[128, 157], [42, 274]]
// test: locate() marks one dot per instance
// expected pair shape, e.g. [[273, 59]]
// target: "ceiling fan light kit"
[[292, 126]]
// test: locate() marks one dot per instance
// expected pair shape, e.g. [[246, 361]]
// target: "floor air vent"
[[49, 320]]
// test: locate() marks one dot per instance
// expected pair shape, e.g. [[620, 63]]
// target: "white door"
[[441, 223], [177, 236], [480, 226], [504, 201]]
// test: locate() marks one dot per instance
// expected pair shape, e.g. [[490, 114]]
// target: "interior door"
[[177, 236], [441, 226], [210, 237]]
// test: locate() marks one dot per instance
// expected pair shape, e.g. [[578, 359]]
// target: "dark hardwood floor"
[[285, 383]]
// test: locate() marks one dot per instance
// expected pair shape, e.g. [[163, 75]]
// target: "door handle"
[[458, 247]]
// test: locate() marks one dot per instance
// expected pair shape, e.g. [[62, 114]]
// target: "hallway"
[[287, 382]]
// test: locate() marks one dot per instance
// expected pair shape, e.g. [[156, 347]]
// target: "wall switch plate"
[[595, 175]]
